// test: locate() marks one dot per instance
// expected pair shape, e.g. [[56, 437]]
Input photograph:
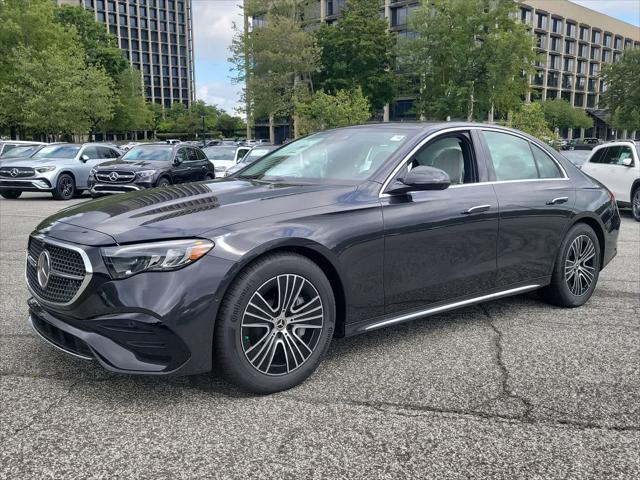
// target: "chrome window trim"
[[427, 139], [87, 267]]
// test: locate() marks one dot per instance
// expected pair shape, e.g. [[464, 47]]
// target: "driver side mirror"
[[420, 178], [627, 162], [84, 158], [177, 160]]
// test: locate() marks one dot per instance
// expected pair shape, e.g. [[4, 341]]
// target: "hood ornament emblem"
[[44, 269]]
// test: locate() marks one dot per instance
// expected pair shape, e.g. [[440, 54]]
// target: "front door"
[[536, 204], [441, 245]]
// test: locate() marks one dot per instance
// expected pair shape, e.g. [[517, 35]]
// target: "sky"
[[213, 30]]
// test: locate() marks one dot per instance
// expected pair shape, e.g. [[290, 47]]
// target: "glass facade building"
[[156, 36]]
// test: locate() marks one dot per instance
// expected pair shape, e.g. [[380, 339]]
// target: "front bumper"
[[24, 184], [155, 323], [113, 188]]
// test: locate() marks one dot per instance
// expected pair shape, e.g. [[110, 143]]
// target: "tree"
[[559, 113], [358, 52], [229, 125], [131, 110], [101, 46], [322, 111], [622, 95], [468, 58], [530, 119]]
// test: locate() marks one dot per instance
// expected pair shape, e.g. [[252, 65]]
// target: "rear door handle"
[[558, 200], [477, 209]]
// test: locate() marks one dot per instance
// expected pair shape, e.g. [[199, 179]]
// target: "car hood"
[[186, 210], [132, 165], [33, 162]]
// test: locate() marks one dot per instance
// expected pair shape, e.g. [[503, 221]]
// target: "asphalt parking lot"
[[509, 389]]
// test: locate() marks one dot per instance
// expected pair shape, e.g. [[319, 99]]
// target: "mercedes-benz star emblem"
[[44, 268], [113, 176], [14, 172]]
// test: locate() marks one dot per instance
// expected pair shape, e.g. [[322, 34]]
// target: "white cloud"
[[626, 10], [223, 94], [213, 27]]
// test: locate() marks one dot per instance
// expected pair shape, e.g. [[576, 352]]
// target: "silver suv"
[[62, 169]]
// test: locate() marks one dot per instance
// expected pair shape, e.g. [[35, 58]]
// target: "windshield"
[[58, 151], [220, 153], [344, 155], [20, 152], [256, 153], [157, 153]]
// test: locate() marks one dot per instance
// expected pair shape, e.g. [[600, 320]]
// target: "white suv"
[[617, 166]]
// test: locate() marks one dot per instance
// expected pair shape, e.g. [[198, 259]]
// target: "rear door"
[[536, 201]]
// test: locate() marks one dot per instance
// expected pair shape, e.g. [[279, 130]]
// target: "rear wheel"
[[65, 187], [11, 194], [577, 268], [635, 204], [275, 324]]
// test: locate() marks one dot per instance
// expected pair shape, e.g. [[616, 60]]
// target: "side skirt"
[[388, 320]]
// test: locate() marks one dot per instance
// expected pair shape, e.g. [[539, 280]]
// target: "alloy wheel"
[[635, 204], [580, 265], [281, 324], [66, 187]]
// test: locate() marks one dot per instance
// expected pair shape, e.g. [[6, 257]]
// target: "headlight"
[[125, 261], [48, 168], [145, 173]]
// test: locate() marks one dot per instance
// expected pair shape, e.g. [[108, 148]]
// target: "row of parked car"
[[68, 169]]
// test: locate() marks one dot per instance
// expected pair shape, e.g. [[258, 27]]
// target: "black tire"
[[11, 194], [65, 187], [163, 182], [635, 204], [233, 340], [570, 285], [209, 176]]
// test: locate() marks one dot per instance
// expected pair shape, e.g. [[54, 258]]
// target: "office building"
[[156, 36], [574, 43]]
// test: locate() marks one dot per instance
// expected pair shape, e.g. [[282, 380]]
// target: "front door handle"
[[558, 200], [477, 209]]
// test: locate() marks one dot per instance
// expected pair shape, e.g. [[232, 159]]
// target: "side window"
[[453, 154], [511, 157], [201, 155], [547, 167], [92, 153], [598, 155], [182, 155], [611, 155], [625, 152], [105, 152], [192, 155]]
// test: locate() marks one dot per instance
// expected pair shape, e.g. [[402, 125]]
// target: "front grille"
[[118, 176], [60, 338], [17, 172], [67, 272]]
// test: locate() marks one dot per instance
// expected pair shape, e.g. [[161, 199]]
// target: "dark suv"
[[150, 165]]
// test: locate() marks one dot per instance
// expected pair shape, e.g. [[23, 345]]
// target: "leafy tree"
[[468, 58], [229, 125], [622, 96], [101, 46], [131, 110], [322, 111], [358, 52], [559, 113], [530, 119]]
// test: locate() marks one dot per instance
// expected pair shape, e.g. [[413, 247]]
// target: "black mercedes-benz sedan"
[[150, 165], [335, 234]]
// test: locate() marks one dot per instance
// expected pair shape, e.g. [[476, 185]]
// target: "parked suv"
[[62, 169], [583, 143], [617, 166], [150, 165], [7, 145]]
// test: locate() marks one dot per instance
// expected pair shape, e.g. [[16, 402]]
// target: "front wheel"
[[65, 187], [163, 182], [576, 270], [275, 324], [11, 194], [635, 204]]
